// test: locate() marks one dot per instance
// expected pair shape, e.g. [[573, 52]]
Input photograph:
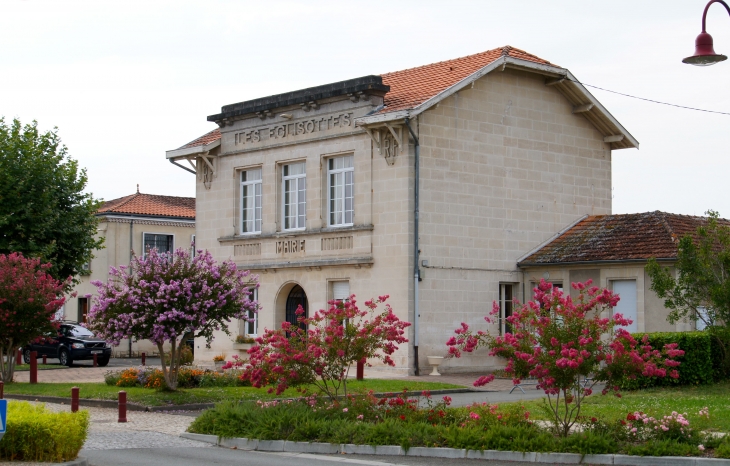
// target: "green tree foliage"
[[44, 211], [700, 289]]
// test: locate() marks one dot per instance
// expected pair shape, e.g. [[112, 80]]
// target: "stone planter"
[[242, 346], [219, 365], [435, 362]]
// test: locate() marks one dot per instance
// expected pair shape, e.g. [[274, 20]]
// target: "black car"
[[73, 343]]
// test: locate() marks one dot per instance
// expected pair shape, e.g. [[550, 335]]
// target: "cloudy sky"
[[126, 81]]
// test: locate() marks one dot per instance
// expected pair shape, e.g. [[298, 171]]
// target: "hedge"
[[702, 363], [33, 433]]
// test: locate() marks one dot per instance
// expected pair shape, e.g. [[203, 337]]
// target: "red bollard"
[[361, 369], [33, 367], [122, 406], [19, 357], [96, 363], [74, 399], [2, 389], [144, 358], [44, 360]]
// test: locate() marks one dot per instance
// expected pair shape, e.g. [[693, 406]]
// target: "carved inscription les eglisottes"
[[295, 128]]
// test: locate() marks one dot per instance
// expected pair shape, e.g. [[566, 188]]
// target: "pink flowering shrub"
[[321, 349], [29, 299], [568, 347], [674, 426], [169, 298]]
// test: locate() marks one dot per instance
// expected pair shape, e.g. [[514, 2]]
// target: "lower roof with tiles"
[[151, 205], [615, 238]]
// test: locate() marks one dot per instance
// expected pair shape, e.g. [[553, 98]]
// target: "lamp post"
[[704, 52]]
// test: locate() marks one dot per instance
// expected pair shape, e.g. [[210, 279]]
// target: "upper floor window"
[[251, 201], [340, 172], [295, 199], [163, 243]]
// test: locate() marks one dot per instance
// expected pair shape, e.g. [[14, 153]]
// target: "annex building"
[[426, 184]]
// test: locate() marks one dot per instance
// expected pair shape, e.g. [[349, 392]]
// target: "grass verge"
[[657, 402], [152, 397]]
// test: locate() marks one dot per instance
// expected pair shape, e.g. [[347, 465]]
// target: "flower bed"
[[414, 422], [151, 377]]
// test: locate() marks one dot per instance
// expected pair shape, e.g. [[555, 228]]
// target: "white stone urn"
[[435, 361]]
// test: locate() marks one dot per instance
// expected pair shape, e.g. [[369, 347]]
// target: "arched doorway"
[[297, 297]]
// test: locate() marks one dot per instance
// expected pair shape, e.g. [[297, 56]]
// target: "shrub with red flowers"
[[29, 299], [568, 347], [170, 298], [321, 349]]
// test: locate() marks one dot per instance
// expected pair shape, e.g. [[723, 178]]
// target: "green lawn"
[[41, 367], [658, 402], [151, 397]]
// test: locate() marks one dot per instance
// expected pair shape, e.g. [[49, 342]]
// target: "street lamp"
[[704, 52]]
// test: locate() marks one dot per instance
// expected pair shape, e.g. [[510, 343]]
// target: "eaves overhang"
[[562, 79], [190, 151], [523, 265]]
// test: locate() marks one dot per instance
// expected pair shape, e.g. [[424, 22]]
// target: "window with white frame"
[[627, 305], [340, 171], [251, 201], [340, 290], [294, 185], [163, 243], [506, 304], [251, 326]]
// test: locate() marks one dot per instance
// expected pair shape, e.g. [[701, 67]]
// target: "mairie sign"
[[3, 416]]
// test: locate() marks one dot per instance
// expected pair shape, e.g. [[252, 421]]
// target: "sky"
[[126, 81]]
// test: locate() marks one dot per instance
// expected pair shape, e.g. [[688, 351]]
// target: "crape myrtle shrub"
[[702, 362]]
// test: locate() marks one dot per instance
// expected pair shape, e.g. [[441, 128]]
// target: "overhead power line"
[[649, 100]]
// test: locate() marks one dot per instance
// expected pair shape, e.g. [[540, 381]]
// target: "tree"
[[700, 291], [29, 299], [322, 348], [568, 347], [44, 212], [170, 298]]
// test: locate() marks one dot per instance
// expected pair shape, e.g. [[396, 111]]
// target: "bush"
[[186, 356], [701, 363], [37, 434]]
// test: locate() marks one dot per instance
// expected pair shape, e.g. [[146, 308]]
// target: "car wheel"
[[65, 358], [26, 355], [103, 362]]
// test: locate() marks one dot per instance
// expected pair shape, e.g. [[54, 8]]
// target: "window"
[[340, 291], [626, 289], [163, 243], [192, 246], [340, 172], [83, 309], [251, 326], [506, 295], [251, 201], [295, 200], [702, 318]]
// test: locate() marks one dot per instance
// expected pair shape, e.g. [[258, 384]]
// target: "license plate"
[[96, 351]]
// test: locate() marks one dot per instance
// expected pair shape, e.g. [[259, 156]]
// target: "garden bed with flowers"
[[429, 421]]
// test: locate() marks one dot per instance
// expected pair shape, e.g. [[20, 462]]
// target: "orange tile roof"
[[619, 238], [207, 138], [412, 87], [151, 205]]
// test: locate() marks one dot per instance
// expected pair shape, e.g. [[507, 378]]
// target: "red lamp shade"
[[704, 52]]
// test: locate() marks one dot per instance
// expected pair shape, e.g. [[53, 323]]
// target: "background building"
[[133, 223]]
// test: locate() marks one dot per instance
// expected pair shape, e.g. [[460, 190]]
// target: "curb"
[[489, 455], [197, 406]]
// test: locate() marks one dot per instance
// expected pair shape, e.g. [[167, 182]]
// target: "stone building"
[[612, 251], [129, 224], [427, 184]]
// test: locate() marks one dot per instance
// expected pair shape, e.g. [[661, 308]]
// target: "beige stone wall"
[[116, 252], [504, 166], [373, 255]]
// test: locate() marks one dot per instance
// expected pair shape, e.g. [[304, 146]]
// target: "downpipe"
[[416, 250]]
